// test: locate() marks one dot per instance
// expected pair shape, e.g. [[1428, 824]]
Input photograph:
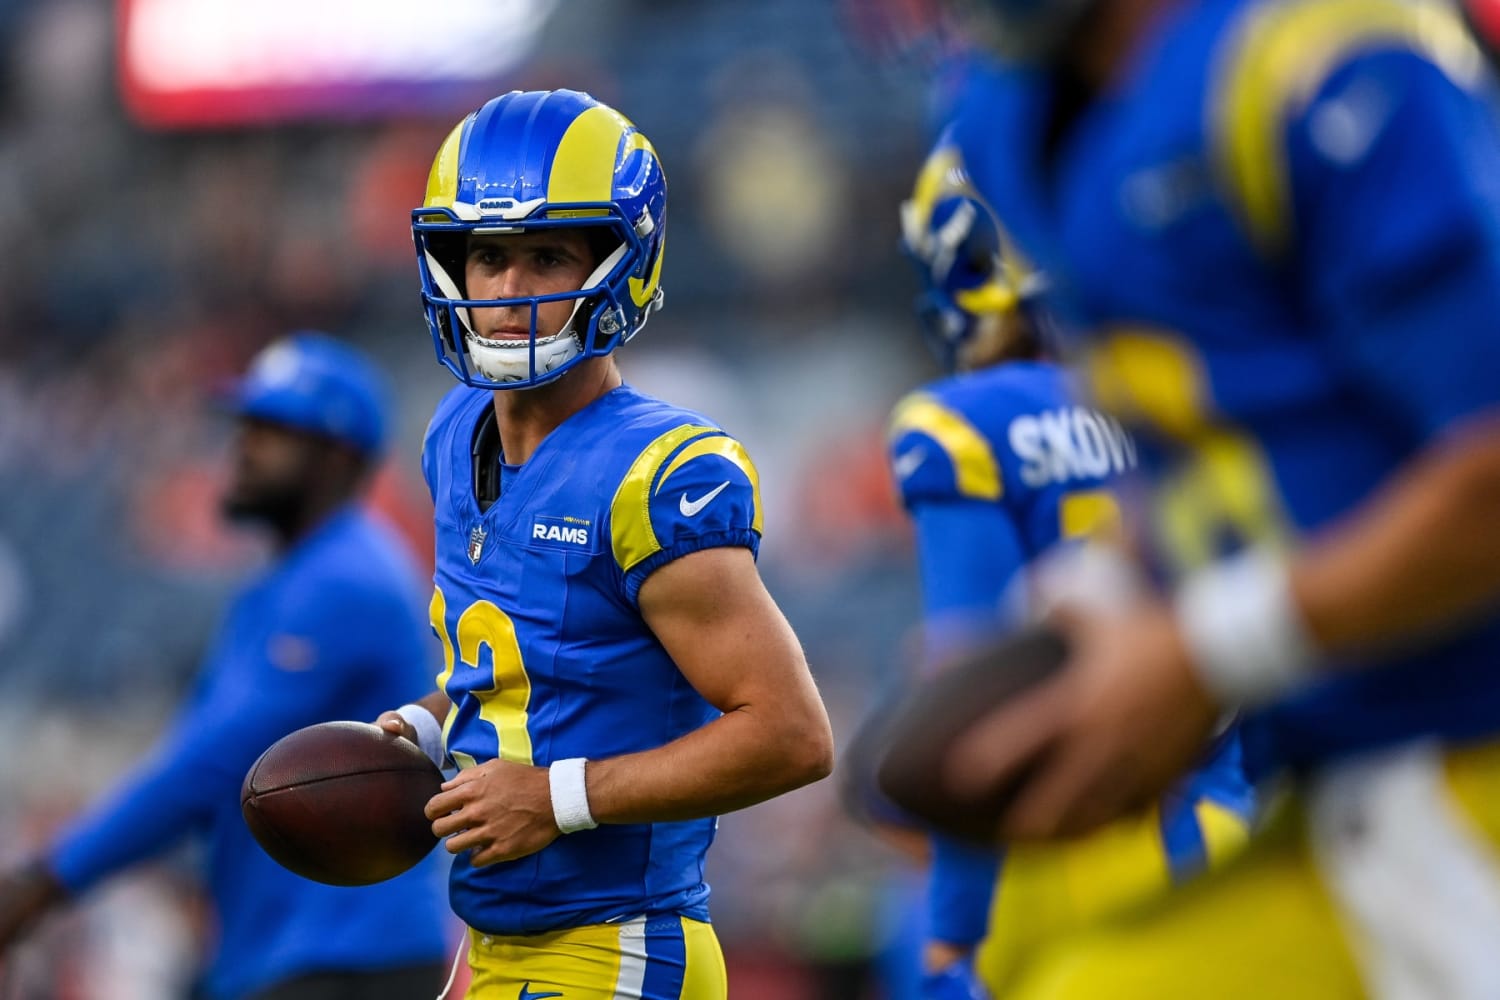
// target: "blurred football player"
[[332, 629], [997, 466], [1277, 225], [617, 674]]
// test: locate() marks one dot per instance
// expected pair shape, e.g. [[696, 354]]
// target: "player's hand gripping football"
[[393, 723], [1108, 734], [498, 810], [26, 893]]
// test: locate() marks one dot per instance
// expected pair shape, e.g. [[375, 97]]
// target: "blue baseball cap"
[[312, 382]]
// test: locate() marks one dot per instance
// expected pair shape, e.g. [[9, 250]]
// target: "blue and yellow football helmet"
[[311, 382], [968, 268], [535, 160]]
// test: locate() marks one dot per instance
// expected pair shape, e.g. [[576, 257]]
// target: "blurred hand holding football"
[[342, 803], [1055, 731], [917, 739]]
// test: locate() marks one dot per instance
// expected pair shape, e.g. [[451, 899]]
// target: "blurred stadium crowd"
[[144, 265]]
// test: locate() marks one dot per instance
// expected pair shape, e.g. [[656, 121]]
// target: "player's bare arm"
[[1126, 716], [713, 614], [724, 631], [1422, 555]]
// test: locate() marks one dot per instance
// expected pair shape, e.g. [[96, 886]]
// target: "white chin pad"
[[510, 361]]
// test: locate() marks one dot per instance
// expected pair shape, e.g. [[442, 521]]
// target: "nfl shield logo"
[[476, 543]]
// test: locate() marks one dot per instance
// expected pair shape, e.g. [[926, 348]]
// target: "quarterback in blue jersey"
[[616, 674], [1276, 225], [333, 629], [998, 466]]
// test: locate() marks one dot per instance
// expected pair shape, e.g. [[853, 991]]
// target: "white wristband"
[[1243, 630], [570, 795], [429, 730]]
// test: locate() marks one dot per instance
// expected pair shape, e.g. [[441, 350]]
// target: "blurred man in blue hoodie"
[[334, 628]]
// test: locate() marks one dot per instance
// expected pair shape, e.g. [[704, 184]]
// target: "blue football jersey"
[[995, 467], [1279, 234], [547, 656]]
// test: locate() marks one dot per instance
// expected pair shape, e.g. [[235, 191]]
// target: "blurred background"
[[181, 181]]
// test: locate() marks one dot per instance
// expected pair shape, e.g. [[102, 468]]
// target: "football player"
[[333, 629], [616, 674], [997, 466], [1277, 226]]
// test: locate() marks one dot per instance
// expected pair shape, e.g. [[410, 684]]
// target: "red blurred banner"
[[209, 63]]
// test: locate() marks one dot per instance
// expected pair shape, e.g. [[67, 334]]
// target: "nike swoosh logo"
[[526, 994], [691, 507], [908, 462]]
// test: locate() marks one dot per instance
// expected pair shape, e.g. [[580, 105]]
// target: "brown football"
[[341, 803], [915, 739]]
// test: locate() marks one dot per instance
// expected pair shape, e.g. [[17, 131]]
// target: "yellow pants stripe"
[[667, 958]]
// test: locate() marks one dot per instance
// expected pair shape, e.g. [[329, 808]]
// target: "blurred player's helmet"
[[968, 269], [529, 161], [314, 383]]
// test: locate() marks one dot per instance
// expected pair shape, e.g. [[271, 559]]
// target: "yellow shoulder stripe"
[[631, 535], [1281, 55], [727, 448], [974, 464]]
